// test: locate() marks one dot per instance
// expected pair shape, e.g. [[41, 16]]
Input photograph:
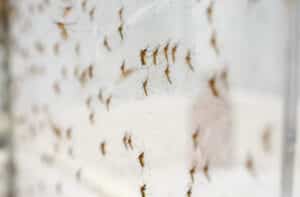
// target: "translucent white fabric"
[[131, 98]]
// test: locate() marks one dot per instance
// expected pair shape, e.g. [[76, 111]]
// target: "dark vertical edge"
[[8, 97]]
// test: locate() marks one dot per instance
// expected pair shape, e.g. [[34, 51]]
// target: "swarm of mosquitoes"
[[148, 56]]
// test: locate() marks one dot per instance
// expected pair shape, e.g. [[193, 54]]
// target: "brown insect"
[[92, 118], [103, 148], [145, 84], [206, 170], [92, 13], [69, 133], [209, 12], [56, 130], [189, 192], [174, 50], [141, 159], [250, 165], [83, 77], [63, 30], [167, 73], [67, 10], [213, 43], [107, 103], [127, 141], [120, 30], [125, 72], [143, 190], [106, 44], [188, 60], [266, 138], [192, 173], [143, 54], [120, 13], [212, 86], [195, 138], [154, 55], [166, 49]]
